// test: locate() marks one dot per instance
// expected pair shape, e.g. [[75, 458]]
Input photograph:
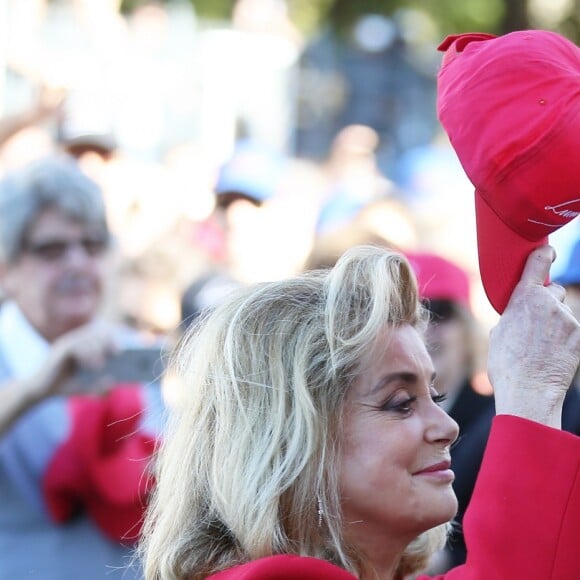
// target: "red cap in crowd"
[[440, 279], [511, 108]]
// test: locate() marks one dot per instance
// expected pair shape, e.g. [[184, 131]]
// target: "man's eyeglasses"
[[52, 250]]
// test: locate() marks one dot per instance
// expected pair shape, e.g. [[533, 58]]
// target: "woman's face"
[[395, 472], [58, 278]]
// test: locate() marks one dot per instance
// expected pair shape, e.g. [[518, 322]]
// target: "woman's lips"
[[438, 471]]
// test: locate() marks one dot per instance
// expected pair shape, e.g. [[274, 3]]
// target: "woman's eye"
[[439, 398], [403, 406]]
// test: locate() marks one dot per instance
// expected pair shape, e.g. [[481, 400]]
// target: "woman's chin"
[[444, 510]]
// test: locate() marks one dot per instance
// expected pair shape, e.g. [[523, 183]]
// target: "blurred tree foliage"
[[448, 16]]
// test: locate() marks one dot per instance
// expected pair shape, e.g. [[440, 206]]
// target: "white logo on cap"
[[561, 210]]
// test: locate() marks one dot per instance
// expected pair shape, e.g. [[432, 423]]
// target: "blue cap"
[[253, 172], [571, 273], [338, 211]]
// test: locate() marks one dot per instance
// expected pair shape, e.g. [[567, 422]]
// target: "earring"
[[319, 510]]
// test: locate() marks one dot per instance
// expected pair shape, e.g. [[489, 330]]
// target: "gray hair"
[[254, 443], [52, 182]]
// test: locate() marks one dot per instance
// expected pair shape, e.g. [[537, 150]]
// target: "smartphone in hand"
[[130, 365]]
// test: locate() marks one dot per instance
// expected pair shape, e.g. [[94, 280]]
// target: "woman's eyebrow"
[[407, 377], [402, 377]]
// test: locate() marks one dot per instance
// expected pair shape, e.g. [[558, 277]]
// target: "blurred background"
[[153, 98]]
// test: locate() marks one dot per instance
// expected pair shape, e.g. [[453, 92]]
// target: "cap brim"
[[502, 254]]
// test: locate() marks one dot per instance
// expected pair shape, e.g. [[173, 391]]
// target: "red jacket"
[[523, 521]]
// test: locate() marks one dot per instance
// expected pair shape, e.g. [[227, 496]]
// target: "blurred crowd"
[[155, 102]]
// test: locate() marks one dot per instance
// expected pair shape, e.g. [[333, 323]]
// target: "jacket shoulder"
[[284, 567]]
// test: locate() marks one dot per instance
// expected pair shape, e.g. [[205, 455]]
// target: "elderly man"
[[73, 467]]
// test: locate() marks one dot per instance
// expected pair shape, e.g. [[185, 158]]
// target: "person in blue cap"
[[245, 183], [570, 279]]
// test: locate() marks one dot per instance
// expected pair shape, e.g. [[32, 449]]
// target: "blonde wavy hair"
[[253, 450]]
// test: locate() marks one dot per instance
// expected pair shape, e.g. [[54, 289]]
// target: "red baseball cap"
[[511, 108], [440, 279]]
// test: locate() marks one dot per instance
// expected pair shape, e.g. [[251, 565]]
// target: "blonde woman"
[[310, 443]]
